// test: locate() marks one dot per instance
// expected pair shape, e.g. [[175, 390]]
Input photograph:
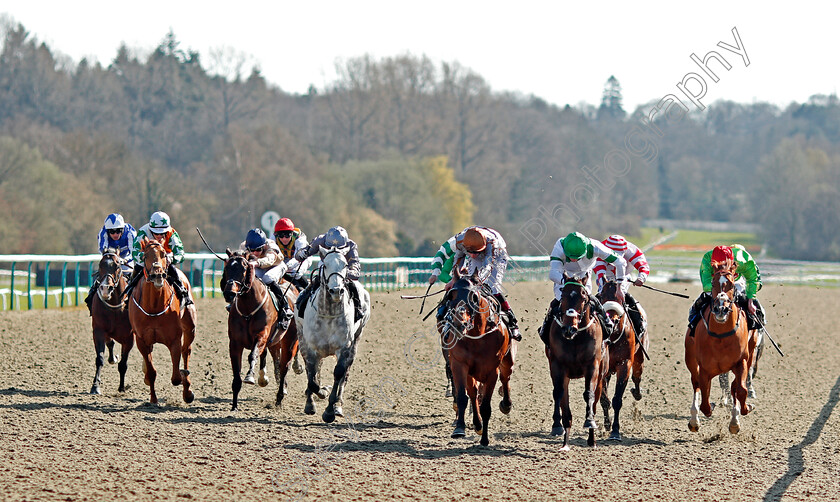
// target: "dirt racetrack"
[[60, 443]]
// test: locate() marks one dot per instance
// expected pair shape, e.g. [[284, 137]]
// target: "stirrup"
[[515, 334]]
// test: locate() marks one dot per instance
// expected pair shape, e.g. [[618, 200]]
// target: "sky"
[[559, 52]]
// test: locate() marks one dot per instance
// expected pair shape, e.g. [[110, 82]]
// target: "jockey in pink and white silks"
[[482, 249], [574, 256], [606, 271]]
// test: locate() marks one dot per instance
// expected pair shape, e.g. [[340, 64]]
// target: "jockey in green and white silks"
[[160, 229], [575, 256]]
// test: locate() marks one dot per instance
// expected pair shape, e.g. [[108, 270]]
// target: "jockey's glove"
[[301, 255]]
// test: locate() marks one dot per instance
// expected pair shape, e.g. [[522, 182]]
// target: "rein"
[[165, 309], [116, 276], [721, 335]]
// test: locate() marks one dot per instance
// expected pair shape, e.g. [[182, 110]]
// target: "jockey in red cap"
[[290, 240]]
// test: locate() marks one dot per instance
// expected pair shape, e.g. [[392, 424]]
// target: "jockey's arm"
[[706, 272], [610, 257], [177, 248], [556, 271], [749, 271]]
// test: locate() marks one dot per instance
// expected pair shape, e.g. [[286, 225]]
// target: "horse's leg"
[[122, 367], [473, 392], [739, 395], [504, 378], [723, 380], [459, 382], [567, 411], [592, 374], [236, 366], [638, 367], [188, 333], [175, 353], [622, 377], [148, 368], [557, 375], [313, 364], [755, 353], [263, 379], [694, 370], [342, 366], [252, 363], [448, 375], [99, 361], [111, 359], [605, 402], [486, 407], [705, 381]]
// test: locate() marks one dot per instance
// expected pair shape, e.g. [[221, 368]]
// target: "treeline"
[[402, 151]]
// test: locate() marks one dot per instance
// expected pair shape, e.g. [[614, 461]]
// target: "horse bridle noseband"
[[114, 277], [461, 307], [244, 288], [584, 306]]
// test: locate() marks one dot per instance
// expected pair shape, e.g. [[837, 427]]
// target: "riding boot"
[[300, 283], [132, 281], [512, 324], [89, 297], [303, 299], [752, 319], [285, 315], [602, 315], [180, 290], [549, 318], [759, 312], [697, 310], [635, 312], [357, 302]]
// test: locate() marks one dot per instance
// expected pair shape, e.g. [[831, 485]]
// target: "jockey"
[[478, 248], [605, 271], [575, 256], [747, 284], [443, 260], [334, 237], [269, 267], [290, 240], [159, 229], [119, 235]]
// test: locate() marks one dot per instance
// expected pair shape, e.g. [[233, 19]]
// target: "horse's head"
[[611, 292], [154, 261], [238, 274], [574, 308], [334, 270], [110, 273], [723, 290], [463, 301]]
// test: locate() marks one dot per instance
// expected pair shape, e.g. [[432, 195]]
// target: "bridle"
[[151, 277], [243, 287], [723, 305], [453, 327], [114, 277], [568, 330]]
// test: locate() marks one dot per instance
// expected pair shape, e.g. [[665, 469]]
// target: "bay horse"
[[576, 349], [329, 328], [721, 343], [252, 324], [480, 353], [109, 318], [155, 314], [625, 355]]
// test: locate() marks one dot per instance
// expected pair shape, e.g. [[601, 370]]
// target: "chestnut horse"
[[576, 349], [480, 352], [252, 324], [625, 355], [109, 318], [721, 343], [156, 317]]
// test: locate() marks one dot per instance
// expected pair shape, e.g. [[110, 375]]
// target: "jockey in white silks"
[[574, 256], [335, 237], [485, 250]]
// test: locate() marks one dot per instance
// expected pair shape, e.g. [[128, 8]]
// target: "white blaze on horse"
[[328, 327]]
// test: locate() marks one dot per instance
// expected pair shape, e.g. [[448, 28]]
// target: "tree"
[[611, 99]]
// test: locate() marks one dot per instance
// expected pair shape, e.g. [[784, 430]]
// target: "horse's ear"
[[229, 253], [322, 250]]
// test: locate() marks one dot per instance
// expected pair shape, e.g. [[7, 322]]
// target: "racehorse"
[[252, 324], [480, 353], [156, 317], [109, 318], [625, 355], [576, 349], [329, 328], [721, 343]]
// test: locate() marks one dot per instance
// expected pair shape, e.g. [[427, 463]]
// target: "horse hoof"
[[324, 392], [590, 423], [185, 373], [263, 382], [95, 390], [113, 360], [459, 432], [558, 431], [693, 427], [448, 392], [176, 382], [189, 397], [328, 417], [234, 408], [751, 393], [565, 448], [505, 407], [309, 409], [478, 429], [296, 367], [734, 428], [637, 394], [249, 379], [338, 411], [615, 436], [484, 441]]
